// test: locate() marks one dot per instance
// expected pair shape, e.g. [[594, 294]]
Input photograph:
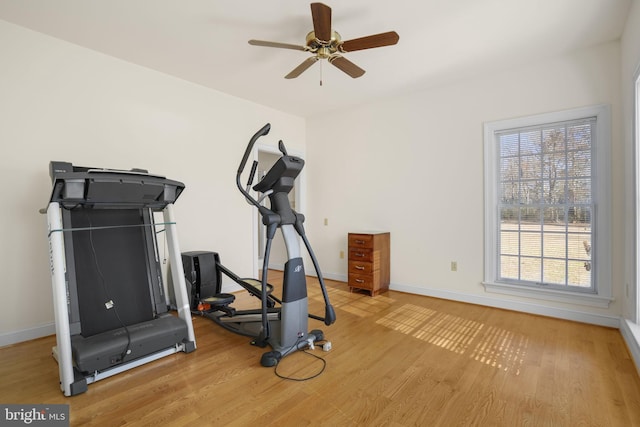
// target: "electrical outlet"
[[326, 221], [341, 254], [454, 265]]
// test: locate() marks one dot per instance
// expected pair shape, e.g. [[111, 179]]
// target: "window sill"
[[590, 300]]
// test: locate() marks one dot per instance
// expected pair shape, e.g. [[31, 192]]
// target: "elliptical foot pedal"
[[254, 286], [219, 300], [270, 358]]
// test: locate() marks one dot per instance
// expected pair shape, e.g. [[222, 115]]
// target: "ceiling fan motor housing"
[[323, 48]]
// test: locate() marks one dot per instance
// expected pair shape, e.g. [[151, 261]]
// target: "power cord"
[[309, 346], [324, 345]]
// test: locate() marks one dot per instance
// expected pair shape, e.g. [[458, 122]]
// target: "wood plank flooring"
[[397, 360]]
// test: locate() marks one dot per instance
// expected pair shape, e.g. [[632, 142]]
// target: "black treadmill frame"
[[94, 344]]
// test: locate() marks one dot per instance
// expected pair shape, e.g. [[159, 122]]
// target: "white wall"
[[413, 165], [59, 101], [630, 62]]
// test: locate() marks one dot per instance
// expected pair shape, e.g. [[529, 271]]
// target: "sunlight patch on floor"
[[406, 319], [354, 303], [444, 330], [449, 332], [496, 347], [502, 349]]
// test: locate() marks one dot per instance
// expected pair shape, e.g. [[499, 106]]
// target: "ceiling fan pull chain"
[[320, 73]]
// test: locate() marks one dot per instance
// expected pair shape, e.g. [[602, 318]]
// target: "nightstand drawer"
[[361, 254], [360, 240], [360, 267], [361, 281]]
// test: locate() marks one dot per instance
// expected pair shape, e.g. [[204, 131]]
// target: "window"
[[547, 206]]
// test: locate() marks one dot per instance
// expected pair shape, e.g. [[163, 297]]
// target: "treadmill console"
[[78, 185]]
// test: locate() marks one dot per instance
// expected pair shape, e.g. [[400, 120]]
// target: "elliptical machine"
[[281, 324]]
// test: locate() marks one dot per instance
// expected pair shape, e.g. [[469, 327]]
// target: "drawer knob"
[[360, 242], [360, 254], [359, 267], [359, 281]]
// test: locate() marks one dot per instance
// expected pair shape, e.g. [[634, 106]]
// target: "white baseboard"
[[277, 267], [312, 273], [336, 277], [9, 338], [330, 276], [631, 334]]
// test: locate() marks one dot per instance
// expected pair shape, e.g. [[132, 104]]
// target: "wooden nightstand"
[[369, 268]]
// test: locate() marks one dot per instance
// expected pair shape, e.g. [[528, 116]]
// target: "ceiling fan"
[[326, 43]]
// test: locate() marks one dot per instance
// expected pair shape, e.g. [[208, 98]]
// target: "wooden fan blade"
[[301, 68], [369, 42], [321, 14], [347, 66], [276, 44]]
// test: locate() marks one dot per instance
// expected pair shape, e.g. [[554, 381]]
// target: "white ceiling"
[[205, 41]]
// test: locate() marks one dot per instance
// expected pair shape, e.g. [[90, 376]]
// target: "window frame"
[[601, 219], [635, 125]]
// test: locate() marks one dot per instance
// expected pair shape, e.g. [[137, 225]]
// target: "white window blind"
[[545, 204], [548, 206]]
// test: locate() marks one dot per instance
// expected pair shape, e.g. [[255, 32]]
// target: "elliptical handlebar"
[[252, 174], [282, 148], [263, 131]]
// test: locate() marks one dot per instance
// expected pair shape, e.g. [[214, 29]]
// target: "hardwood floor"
[[397, 360]]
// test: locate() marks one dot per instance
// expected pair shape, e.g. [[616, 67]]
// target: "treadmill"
[[111, 311]]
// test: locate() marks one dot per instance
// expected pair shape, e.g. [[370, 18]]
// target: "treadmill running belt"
[[111, 269]]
